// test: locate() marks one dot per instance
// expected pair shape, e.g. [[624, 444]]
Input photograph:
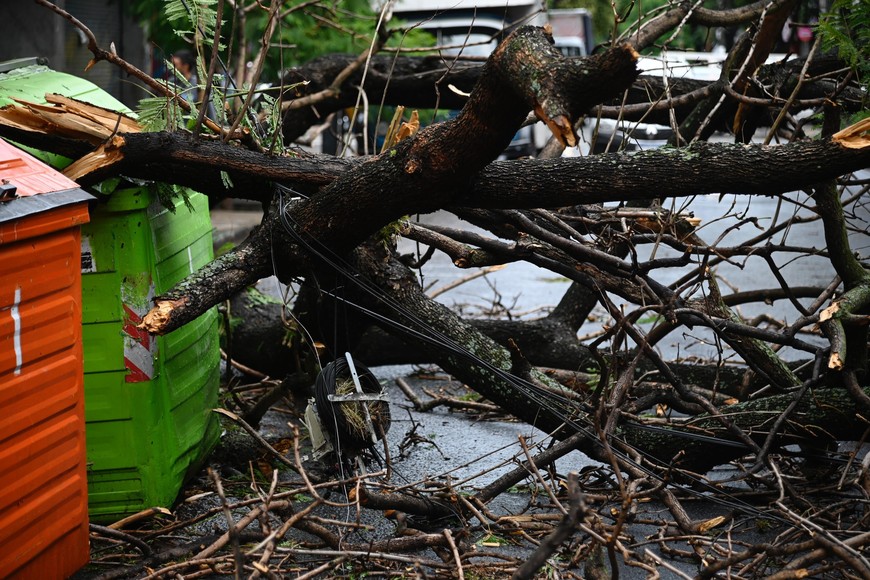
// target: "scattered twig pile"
[[537, 519]]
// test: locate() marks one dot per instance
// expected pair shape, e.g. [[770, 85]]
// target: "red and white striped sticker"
[[139, 348]]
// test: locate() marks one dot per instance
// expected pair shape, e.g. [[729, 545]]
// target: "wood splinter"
[[157, 319]]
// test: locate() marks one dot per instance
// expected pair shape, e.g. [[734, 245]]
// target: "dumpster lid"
[[28, 186], [30, 82]]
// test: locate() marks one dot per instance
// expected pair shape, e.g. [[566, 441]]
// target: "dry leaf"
[[410, 128], [710, 524], [263, 466]]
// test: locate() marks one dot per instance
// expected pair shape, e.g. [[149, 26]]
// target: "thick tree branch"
[[695, 14], [829, 412], [698, 169], [422, 173], [412, 82], [660, 173], [212, 284]]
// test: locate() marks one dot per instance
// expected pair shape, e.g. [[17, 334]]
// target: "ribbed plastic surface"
[[28, 174], [149, 400], [43, 485]]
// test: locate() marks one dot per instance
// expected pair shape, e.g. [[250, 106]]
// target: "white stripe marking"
[[16, 336], [190, 259]]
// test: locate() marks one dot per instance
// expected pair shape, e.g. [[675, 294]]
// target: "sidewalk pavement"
[[233, 225]]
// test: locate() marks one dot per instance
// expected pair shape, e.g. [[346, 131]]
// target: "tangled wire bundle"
[[345, 421]]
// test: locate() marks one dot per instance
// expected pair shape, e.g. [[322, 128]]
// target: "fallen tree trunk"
[[654, 174], [699, 444], [420, 174], [258, 334], [448, 165]]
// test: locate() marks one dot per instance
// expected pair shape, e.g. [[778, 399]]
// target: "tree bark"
[[422, 173], [393, 79], [450, 165]]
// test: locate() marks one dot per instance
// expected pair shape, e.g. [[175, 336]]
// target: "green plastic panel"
[[31, 83], [148, 401]]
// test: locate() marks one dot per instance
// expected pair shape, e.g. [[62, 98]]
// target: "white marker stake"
[[356, 383]]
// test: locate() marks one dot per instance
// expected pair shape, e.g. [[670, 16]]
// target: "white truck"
[[472, 27]]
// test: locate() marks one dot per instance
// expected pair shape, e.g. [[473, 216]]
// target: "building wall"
[[30, 30]]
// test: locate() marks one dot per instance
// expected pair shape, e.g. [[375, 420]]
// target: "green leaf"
[[844, 29], [225, 179]]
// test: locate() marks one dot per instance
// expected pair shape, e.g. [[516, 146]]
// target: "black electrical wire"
[[535, 393], [332, 413]]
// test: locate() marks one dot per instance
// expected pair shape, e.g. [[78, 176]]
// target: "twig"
[[797, 88], [212, 67], [366, 553], [123, 536], [460, 281], [258, 65], [334, 563], [268, 543], [562, 532], [112, 57], [476, 512], [537, 474], [456, 557], [231, 525], [146, 513], [192, 563], [829, 542], [245, 369], [253, 433], [243, 522], [664, 564], [520, 473]]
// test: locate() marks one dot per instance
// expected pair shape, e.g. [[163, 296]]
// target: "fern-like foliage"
[[271, 111], [845, 29], [169, 196], [161, 114], [189, 17]]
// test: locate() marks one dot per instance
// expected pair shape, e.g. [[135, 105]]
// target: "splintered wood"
[[856, 136], [68, 118], [77, 120]]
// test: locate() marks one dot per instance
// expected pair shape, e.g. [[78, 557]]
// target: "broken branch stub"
[[559, 90]]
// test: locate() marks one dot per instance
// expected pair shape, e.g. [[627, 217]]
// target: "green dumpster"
[[148, 400]]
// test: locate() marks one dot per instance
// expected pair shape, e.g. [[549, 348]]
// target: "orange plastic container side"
[[43, 482]]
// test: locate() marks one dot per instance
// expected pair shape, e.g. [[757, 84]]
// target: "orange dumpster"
[[43, 482]]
